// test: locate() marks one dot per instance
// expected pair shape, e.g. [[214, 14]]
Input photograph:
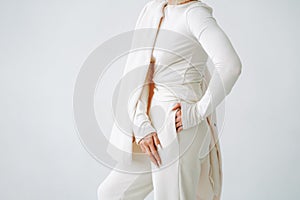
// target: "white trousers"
[[178, 176]]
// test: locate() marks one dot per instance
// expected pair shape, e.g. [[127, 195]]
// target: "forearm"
[[142, 125]]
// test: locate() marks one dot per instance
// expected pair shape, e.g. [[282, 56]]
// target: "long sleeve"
[[203, 26], [142, 125]]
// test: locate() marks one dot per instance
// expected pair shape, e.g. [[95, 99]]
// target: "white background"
[[42, 47]]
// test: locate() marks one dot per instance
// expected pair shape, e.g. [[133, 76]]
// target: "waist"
[[189, 92]]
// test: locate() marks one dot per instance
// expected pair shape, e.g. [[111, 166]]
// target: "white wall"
[[42, 47]]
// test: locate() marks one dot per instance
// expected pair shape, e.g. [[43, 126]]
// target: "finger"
[[150, 155], [178, 124], [157, 141], [142, 148], [177, 129], [180, 129], [155, 154], [178, 113], [178, 119], [177, 105]]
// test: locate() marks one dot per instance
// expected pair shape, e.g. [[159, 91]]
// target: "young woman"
[[171, 120]]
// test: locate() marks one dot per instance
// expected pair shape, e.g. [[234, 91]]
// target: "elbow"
[[232, 68], [236, 68], [239, 67]]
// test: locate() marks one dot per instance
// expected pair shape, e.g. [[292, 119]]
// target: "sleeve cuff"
[[190, 116], [143, 132]]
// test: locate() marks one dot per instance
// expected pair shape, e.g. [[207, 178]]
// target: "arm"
[[214, 41], [141, 123]]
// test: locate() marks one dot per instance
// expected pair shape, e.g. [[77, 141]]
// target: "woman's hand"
[[178, 119], [149, 144]]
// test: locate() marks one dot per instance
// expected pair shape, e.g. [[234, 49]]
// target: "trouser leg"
[[192, 170], [125, 185], [119, 185], [205, 191], [178, 177]]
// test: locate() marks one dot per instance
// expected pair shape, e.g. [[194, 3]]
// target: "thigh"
[[179, 174], [194, 145], [127, 185], [119, 185]]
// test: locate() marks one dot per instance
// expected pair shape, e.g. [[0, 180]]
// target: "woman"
[[170, 120]]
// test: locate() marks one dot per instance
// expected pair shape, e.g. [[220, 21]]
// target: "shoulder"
[[153, 3], [149, 10], [199, 8], [147, 5], [198, 16], [143, 12]]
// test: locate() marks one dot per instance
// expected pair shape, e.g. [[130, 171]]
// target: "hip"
[[163, 117]]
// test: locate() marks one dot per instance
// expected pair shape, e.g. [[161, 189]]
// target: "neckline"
[[180, 5]]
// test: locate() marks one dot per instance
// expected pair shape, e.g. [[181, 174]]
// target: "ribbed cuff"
[[190, 115], [142, 132]]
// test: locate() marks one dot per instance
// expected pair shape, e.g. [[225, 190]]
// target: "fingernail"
[[160, 146]]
